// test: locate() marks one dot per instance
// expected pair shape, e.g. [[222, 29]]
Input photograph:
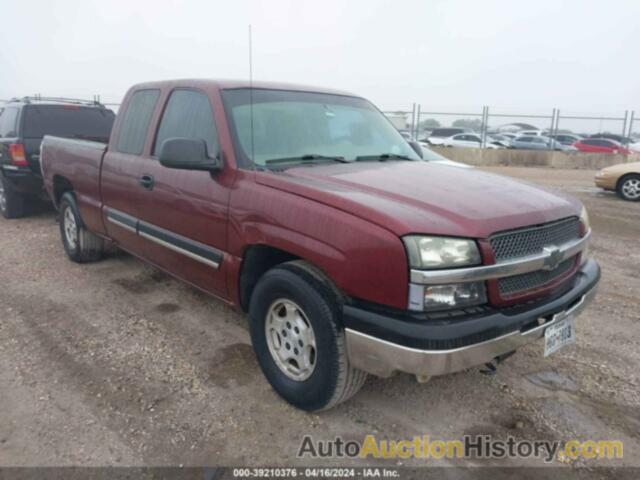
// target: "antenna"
[[251, 94]]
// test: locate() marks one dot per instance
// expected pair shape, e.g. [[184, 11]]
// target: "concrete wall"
[[533, 158]]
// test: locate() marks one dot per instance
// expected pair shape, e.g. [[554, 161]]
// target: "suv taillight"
[[18, 157]]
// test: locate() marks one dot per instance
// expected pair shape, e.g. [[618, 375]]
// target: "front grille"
[[532, 280], [530, 241]]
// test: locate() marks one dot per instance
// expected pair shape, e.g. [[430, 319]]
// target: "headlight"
[[441, 252], [584, 219], [444, 297]]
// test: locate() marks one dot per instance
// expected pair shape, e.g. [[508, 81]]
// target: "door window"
[[188, 114]]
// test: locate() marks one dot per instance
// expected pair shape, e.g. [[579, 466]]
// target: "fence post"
[[553, 119], [413, 118], [415, 135], [624, 124], [484, 126], [633, 114]]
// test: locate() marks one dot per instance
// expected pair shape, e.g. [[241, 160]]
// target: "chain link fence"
[[419, 121]]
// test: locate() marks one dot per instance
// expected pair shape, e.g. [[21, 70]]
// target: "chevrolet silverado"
[[307, 209]]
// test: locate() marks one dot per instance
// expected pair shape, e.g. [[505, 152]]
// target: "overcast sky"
[[581, 56]]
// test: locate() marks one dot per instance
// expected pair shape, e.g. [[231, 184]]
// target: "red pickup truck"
[[305, 208]]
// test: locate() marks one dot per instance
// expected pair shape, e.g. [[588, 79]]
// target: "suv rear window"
[[90, 123]]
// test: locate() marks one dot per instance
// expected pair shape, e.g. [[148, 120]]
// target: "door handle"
[[146, 182]]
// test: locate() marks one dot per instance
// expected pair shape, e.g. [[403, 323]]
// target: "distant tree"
[[472, 123], [429, 123]]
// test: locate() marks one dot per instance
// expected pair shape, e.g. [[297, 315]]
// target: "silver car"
[[538, 142]]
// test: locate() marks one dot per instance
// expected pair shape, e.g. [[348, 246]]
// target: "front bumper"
[[606, 181], [384, 344]]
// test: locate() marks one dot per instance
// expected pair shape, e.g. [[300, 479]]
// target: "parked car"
[[470, 140], [612, 136], [566, 138], [600, 145], [350, 254], [629, 143], [439, 135], [623, 179], [23, 124], [529, 142]]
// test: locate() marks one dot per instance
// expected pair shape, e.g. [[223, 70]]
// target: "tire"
[[629, 187], [323, 377], [80, 244], [12, 204]]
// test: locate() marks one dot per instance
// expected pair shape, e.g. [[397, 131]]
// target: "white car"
[[469, 140], [439, 135]]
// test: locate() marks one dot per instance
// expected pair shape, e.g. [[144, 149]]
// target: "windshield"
[[292, 125]]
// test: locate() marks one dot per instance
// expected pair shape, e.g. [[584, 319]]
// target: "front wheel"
[[80, 244], [629, 187], [297, 339]]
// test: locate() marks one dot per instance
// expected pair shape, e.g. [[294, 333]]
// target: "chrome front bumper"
[[383, 358]]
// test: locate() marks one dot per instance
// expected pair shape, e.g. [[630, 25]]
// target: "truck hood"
[[422, 197]]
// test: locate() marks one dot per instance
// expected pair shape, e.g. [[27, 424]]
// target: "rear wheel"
[[79, 243], [629, 187], [11, 203], [294, 321]]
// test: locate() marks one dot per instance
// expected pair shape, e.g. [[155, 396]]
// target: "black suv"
[[23, 123]]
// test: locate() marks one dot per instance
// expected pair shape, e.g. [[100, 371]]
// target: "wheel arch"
[[61, 185], [260, 258], [625, 176]]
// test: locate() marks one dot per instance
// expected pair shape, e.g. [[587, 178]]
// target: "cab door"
[[121, 167], [183, 213]]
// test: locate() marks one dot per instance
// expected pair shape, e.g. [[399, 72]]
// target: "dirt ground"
[[116, 363]]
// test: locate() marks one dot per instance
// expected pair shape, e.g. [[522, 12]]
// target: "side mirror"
[[187, 154], [416, 148]]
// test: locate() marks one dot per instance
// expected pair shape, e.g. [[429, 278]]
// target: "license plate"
[[559, 335]]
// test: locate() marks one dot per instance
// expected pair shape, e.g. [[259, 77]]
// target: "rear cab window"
[[188, 114], [72, 121], [135, 123]]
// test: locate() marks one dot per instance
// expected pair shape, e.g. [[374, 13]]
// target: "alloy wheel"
[[70, 228], [631, 188], [291, 339]]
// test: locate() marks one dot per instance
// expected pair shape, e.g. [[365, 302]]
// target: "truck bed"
[[78, 162]]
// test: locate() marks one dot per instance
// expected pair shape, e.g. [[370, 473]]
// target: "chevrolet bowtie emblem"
[[553, 259]]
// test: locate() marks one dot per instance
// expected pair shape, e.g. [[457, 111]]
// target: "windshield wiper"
[[309, 158], [383, 157]]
